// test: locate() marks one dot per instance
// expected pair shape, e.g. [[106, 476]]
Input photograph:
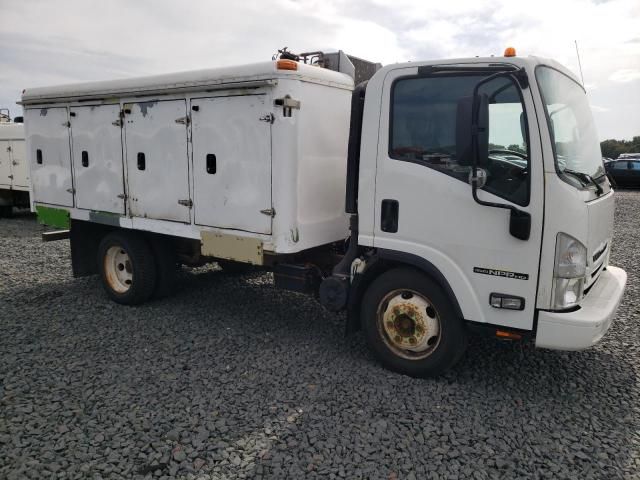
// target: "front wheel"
[[411, 325], [127, 267]]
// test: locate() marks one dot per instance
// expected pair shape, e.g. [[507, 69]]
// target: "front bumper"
[[586, 326]]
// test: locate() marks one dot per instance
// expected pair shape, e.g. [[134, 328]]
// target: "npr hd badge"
[[501, 273]]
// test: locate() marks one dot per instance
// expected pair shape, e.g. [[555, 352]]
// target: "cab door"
[[423, 200]]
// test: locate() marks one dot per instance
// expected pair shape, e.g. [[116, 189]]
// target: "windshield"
[[577, 150]]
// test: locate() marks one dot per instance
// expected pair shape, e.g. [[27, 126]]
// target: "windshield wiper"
[[585, 178]]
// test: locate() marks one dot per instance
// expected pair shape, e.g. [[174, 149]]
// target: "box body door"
[[97, 158], [19, 165], [157, 161], [5, 164], [49, 154], [232, 162]]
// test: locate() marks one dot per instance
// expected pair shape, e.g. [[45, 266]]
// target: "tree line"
[[613, 148]]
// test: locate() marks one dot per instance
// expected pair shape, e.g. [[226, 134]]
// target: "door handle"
[[389, 215], [211, 163]]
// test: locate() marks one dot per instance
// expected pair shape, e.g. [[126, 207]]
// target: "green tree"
[[613, 148]]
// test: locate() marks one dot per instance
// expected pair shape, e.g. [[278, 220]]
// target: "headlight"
[[571, 257], [569, 271]]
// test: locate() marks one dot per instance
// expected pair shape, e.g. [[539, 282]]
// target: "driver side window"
[[423, 130]]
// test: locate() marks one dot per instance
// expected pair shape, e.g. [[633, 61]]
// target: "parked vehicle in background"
[[625, 172], [14, 167], [627, 156], [449, 234]]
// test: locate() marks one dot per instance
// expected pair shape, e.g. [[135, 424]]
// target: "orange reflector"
[[287, 65], [509, 335], [509, 52]]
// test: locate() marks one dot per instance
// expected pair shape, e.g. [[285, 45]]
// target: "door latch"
[[183, 120], [269, 212], [122, 196], [185, 203], [288, 104], [117, 123], [71, 190], [269, 118], [66, 124]]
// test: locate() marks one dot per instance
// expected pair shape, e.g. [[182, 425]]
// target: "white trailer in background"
[[476, 199], [14, 167]]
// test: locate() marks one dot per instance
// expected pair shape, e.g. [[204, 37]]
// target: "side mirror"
[[463, 131], [468, 122]]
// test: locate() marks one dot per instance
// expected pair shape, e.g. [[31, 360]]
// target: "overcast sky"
[[46, 42]]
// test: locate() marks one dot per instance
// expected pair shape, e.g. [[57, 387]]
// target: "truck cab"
[[481, 179]]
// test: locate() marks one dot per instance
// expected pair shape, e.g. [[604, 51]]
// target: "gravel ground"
[[231, 378]]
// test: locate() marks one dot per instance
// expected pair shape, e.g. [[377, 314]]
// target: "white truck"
[[476, 198], [14, 169]]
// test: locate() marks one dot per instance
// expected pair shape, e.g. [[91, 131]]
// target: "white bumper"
[[584, 327]]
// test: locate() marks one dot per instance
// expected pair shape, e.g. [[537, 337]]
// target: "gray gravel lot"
[[231, 378]]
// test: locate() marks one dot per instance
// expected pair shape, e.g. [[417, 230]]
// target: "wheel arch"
[[382, 261]]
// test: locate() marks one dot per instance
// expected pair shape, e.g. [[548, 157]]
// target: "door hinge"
[[71, 190], [186, 203], [183, 120], [269, 211], [117, 123], [269, 118], [122, 196]]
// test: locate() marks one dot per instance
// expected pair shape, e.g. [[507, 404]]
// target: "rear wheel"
[[127, 268], [411, 325]]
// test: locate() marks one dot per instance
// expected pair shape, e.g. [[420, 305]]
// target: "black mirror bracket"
[[519, 220]]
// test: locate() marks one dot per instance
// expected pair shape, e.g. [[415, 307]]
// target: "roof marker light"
[[509, 52], [284, 64]]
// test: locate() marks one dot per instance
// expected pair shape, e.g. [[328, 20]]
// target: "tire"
[[127, 267], [166, 267], [411, 325], [236, 268]]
